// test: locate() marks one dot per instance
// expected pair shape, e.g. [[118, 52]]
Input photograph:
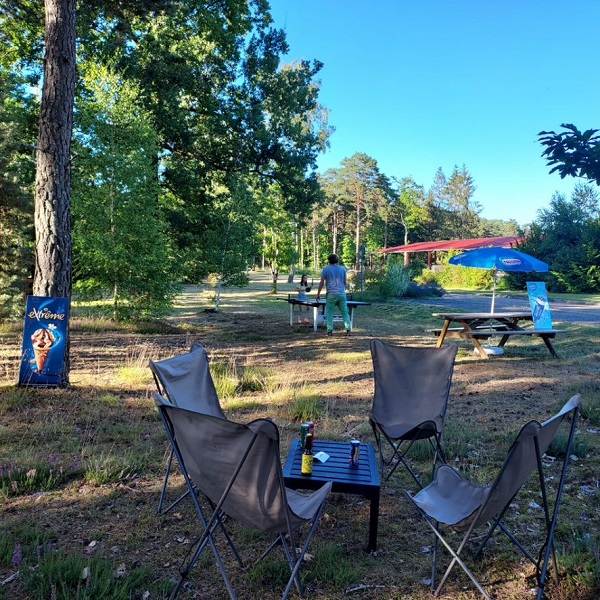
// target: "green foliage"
[[120, 245], [306, 406], [580, 559], [560, 443], [107, 468], [231, 379], [14, 400], [359, 196], [391, 280], [332, 564], [566, 235], [395, 281], [348, 251], [329, 563], [19, 481], [16, 180], [63, 576], [572, 152], [449, 276]]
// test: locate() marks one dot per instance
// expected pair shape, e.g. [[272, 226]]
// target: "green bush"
[[390, 282]]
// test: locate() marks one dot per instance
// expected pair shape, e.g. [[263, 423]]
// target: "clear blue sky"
[[422, 84]]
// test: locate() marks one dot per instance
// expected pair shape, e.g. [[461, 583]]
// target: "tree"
[[17, 172], [357, 188], [119, 237], [567, 236], [465, 212], [230, 244], [498, 227], [573, 152], [53, 248], [278, 227], [407, 213], [225, 110]]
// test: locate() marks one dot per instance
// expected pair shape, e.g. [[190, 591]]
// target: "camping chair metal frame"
[[190, 369], [192, 491], [493, 495], [286, 537], [431, 428]]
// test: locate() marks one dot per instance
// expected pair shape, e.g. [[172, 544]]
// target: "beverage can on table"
[[304, 429], [311, 429], [354, 450]]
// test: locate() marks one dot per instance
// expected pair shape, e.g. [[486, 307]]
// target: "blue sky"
[[422, 84]]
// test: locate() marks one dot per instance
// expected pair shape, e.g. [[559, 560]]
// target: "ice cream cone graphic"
[[41, 356], [42, 341]]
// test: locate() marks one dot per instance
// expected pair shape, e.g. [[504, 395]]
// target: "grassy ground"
[[81, 468]]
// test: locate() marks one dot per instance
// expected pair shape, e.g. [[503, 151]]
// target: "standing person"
[[334, 276]]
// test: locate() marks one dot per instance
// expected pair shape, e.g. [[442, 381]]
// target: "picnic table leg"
[[373, 521], [291, 314], [549, 345], [443, 333], [467, 329], [479, 348]]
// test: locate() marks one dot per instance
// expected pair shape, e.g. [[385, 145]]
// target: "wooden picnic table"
[[482, 326], [318, 310]]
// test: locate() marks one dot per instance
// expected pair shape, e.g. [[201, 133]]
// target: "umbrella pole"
[[494, 292]]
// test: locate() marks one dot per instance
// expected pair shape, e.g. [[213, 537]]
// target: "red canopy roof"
[[509, 241]]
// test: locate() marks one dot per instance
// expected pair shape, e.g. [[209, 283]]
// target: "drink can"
[[304, 429], [354, 450], [311, 429]]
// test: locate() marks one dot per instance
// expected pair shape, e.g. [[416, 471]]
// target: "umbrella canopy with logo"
[[499, 259]]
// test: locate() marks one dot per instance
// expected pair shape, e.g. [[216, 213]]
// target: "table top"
[[523, 315], [345, 478]]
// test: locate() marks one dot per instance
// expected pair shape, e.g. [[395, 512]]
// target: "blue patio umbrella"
[[499, 259]]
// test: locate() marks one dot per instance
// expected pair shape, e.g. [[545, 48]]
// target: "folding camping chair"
[[238, 468], [185, 380], [453, 501], [412, 386]]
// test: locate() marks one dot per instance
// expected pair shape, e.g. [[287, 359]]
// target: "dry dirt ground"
[[490, 400]]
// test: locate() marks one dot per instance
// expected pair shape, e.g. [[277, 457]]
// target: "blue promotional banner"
[[540, 307], [44, 341]]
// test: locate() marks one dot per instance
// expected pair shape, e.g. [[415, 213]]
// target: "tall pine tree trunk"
[[53, 251]]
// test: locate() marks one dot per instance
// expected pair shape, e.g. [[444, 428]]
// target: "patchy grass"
[[88, 461]]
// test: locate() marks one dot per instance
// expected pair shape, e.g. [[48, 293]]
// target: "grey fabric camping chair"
[[453, 501], [412, 387], [238, 468], [185, 380]]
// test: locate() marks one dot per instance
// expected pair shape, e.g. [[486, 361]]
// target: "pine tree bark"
[[53, 254]]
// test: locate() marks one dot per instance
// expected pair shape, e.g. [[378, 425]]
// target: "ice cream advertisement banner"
[[44, 339], [540, 307]]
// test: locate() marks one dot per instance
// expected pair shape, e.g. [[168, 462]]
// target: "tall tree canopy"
[[224, 110]]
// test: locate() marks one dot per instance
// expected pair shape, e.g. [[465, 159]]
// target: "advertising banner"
[[44, 341], [540, 307]]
